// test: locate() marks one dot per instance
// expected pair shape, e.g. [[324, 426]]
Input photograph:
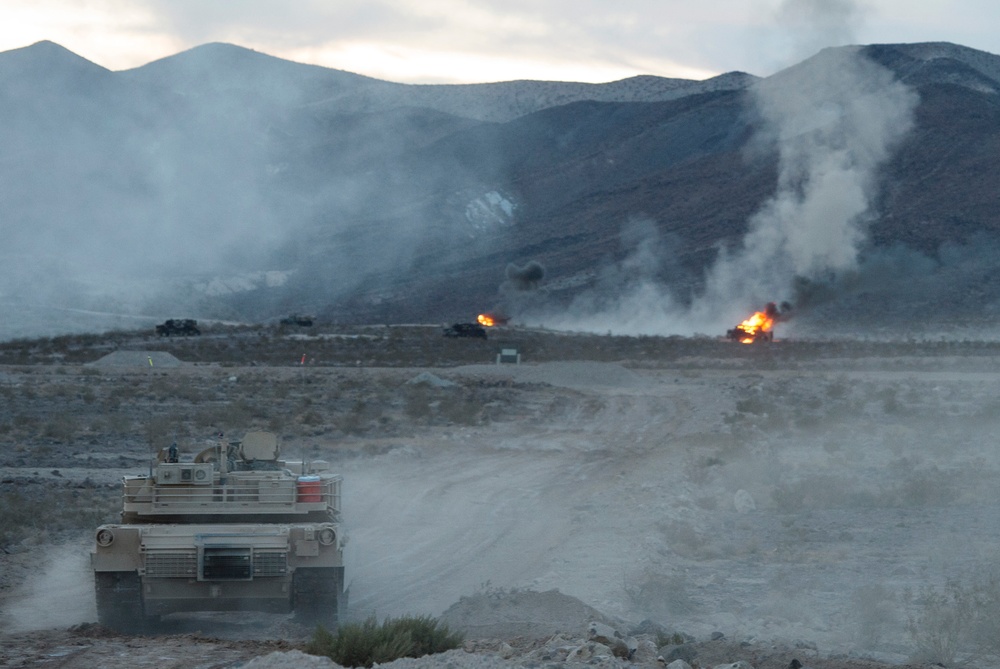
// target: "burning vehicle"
[[760, 326], [465, 330], [492, 320], [183, 327], [477, 329]]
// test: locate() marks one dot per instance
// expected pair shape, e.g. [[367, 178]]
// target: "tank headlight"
[[105, 537], [327, 536]]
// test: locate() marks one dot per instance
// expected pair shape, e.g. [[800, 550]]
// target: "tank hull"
[[155, 569], [234, 529]]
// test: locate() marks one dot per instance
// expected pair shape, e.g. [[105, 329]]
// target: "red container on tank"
[[309, 489]]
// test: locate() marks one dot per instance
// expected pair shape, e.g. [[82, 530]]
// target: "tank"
[[465, 330], [298, 319], [236, 528], [183, 327]]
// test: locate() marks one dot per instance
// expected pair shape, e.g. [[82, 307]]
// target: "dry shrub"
[[873, 609], [61, 427], [958, 624], [368, 643], [54, 508], [311, 418], [684, 540], [661, 597], [461, 411], [162, 430], [941, 629], [418, 403]]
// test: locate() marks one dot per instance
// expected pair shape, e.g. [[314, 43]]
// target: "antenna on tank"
[[223, 458]]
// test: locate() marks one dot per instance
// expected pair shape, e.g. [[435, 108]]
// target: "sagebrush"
[[367, 643]]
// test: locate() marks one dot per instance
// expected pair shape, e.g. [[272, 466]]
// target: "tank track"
[[319, 596], [119, 601]]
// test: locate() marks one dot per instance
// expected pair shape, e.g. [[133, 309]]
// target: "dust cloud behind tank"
[[236, 527]]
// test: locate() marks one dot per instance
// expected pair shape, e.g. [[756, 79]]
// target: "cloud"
[[431, 41], [436, 41], [446, 40]]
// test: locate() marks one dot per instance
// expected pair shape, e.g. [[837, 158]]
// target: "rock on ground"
[[504, 614]]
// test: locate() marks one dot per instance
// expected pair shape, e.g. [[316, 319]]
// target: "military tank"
[[178, 327], [301, 320], [235, 528]]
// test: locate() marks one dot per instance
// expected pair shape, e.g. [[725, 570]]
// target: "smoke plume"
[[810, 25], [630, 294], [834, 122], [525, 278]]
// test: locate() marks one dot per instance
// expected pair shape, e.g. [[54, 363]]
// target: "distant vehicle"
[[748, 335], [185, 327], [298, 319], [237, 528], [466, 330]]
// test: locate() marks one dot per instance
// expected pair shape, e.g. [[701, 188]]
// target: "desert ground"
[[831, 501]]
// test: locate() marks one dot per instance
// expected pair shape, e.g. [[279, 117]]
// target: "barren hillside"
[[223, 183]]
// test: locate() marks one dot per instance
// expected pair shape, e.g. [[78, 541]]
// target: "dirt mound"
[[138, 359], [501, 614]]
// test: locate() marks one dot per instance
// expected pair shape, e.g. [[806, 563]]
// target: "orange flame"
[[751, 327], [486, 320]]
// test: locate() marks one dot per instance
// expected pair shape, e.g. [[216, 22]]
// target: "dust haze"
[[825, 496], [57, 593], [186, 188], [810, 504]]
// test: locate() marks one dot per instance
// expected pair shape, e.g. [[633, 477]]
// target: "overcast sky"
[[455, 41]]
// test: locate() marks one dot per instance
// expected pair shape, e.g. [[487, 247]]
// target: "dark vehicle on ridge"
[[298, 319], [184, 327], [466, 330]]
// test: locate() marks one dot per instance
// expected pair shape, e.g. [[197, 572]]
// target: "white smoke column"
[[803, 27], [630, 296], [835, 120]]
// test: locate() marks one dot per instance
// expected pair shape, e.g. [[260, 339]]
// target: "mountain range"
[[223, 183]]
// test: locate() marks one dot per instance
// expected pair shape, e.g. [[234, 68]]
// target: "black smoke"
[[525, 278]]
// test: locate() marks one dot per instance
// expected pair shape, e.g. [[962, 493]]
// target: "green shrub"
[[367, 643]]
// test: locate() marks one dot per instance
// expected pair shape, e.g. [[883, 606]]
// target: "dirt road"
[[814, 506]]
